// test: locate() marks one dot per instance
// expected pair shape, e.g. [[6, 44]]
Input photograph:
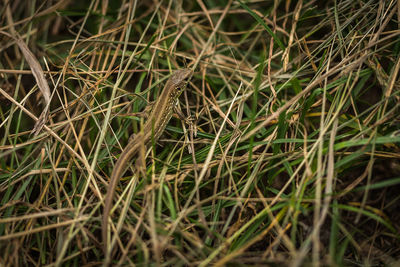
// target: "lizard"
[[160, 115]]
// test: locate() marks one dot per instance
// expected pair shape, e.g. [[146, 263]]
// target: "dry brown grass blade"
[[398, 12], [38, 73], [41, 229], [50, 131], [47, 11]]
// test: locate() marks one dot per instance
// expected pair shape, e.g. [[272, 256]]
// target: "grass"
[[291, 153]]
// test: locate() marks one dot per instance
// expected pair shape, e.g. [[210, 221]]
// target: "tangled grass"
[[290, 154]]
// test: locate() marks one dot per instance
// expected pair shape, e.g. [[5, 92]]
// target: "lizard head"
[[179, 77]]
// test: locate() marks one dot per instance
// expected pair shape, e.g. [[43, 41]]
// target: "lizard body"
[[157, 121]]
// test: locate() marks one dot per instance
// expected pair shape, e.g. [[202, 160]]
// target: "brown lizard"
[[159, 116]]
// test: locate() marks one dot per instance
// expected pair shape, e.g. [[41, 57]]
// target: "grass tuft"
[[288, 152]]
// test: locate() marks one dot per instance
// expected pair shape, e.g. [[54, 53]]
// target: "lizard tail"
[[119, 169]]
